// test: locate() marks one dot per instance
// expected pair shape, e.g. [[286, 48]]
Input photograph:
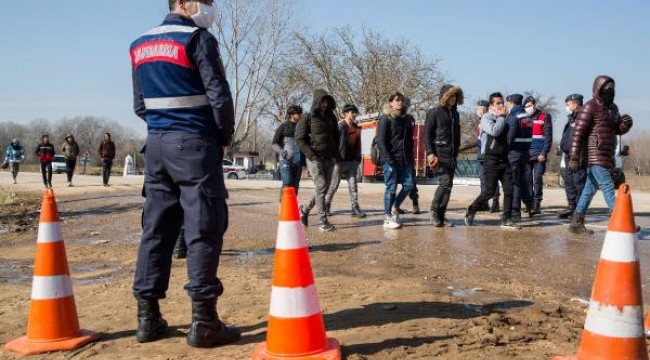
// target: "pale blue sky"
[[70, 57]]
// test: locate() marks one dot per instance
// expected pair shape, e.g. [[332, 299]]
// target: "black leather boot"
[[151, 325], [529, 209], [566, 213], [207, 330], [537, 208], [495, 206]]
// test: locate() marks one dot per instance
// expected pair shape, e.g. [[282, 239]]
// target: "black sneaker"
[[510, 224], [416, 209], [400, 211], [469, 217], [357, 213], [447, 223], [516, 217], [304, 217], [495, 208], [326, 226]]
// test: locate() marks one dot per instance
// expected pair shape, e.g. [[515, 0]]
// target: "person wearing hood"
[[107, 154], [442, 141], [318, 139], [285, 145], [70, 150], [14, 155], [482, 107], [539, 149], [350, 156], [574, 182], [181, 91], [395, 143], [597, 124], [45, 153], [520, 136]]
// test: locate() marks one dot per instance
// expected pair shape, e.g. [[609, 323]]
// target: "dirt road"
[[415, 293]]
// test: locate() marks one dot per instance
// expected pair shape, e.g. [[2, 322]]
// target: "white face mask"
[[530, 110], [569, 111], [206, 16]]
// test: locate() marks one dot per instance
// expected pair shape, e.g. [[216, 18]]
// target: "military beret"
[[517, 98]]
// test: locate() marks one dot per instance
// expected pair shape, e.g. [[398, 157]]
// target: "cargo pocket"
[[213, 217]]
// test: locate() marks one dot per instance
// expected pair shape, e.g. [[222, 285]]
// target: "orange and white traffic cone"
[[53, 324], [295, 329], [614, 325]]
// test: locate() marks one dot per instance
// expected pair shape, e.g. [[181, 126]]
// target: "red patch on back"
[[162, 50]]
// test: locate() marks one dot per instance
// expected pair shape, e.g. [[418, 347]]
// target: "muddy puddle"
[[20, 272]]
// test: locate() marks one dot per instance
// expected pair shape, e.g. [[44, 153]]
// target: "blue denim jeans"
[[598, 177], [290, 174], [393, 175]]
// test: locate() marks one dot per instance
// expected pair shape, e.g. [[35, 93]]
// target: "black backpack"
[[375, 154]]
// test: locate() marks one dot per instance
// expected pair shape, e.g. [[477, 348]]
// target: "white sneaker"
[[390, 223]]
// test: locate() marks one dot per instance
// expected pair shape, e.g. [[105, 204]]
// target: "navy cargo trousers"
[[183, 185]]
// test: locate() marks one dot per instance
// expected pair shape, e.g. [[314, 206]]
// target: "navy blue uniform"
[[180, 90], [574, 182], [520, 136]]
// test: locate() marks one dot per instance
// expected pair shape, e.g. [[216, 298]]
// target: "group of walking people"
[[514, 139], [45, 151]]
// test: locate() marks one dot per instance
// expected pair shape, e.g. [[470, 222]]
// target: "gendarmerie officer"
[[180, 90]]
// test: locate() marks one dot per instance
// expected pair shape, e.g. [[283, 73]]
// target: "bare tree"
[[254, 36], [366, 70]]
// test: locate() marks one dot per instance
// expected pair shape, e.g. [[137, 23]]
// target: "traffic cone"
[[295, 328], [53, 324], [614, 325]]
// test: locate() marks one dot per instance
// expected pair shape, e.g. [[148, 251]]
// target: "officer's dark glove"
[[627, 121], [574, 165]]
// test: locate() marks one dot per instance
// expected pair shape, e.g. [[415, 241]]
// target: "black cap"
[[529, 99], [350, 107], [515, 98], [576, 97], [483, 103]]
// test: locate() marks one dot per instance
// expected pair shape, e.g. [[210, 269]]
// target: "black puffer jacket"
[[317, 132], [596, 127], [395, 138], [442, 127]]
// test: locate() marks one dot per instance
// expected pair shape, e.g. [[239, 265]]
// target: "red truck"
[[368, 170]]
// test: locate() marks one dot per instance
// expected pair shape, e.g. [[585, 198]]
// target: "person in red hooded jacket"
[[597, 124]]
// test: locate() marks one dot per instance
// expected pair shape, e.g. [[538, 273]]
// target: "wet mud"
[[416, 293]]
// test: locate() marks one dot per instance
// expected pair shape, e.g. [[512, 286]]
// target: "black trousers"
[[443, 192], [183, 187], [414, 195], [107, 166], [46, 171], [496, 170], [70, 165], [574, 182], [15, 168]]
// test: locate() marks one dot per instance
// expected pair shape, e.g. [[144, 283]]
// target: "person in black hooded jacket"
[[318, 139], [442, 138]]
